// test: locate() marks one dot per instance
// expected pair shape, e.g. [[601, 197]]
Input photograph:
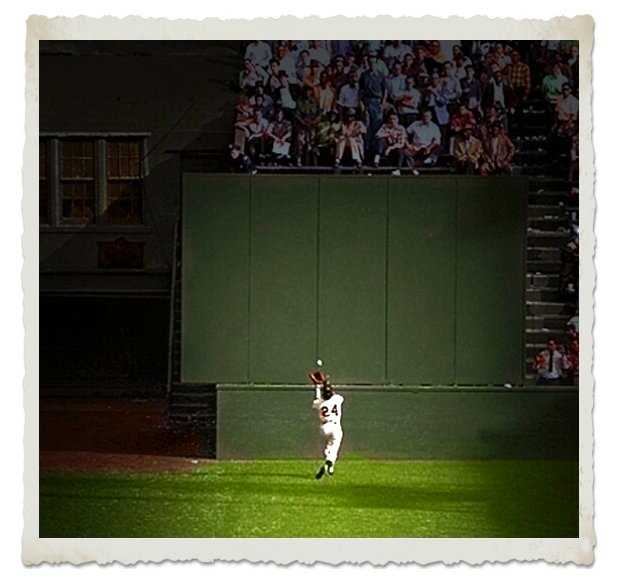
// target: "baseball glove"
[[318, 377]]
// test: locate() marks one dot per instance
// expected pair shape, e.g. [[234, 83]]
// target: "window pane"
[[77, 181], [124, 199], [124, 184], [123, 159], [78, 201], [78, 160]]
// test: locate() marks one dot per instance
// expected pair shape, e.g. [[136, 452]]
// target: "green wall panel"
[[400, 423], [491, 238], [266, 422], [215, 279], [352, 278], [283, 325], [421, 281], [389, 280]]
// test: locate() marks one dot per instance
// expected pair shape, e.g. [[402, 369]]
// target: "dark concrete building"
[[117, 122]]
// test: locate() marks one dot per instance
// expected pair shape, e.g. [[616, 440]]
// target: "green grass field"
[[281, 498]]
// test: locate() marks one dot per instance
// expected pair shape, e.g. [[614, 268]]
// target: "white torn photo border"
[[334, 550]]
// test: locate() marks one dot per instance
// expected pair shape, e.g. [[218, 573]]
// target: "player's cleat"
[[330, 467], [320, 473]]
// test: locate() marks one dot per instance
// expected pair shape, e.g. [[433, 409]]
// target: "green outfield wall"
[[390, 280], [402, 423]]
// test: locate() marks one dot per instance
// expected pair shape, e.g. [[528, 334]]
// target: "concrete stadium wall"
[[401, 423], [409, 280]]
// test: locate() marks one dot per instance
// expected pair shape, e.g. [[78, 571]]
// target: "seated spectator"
[[318, 52], [392, 141], [325, 138], [261, 100], [479, 50], [350, 64], [548, 50], [500, 95], [306, 120], [371, 61], [551, 87], [286, 62], [242, 107], [424, 141], [460, 62], [240, 162], [325, 94], [284, 95], [408, 66], [490, 116], [502, 58], [451, 87], [255, 135], [565, 69], [339, 76], [340, 47], [462, 119], [349, 137], [394, 52], [408, 103], [467, 152], [498, 152], [349, 93], [395, 83], [328, 70], [302, 64], [259, 53], [272, 84], [422, 63], [311, 74], [490, 64], [435, 56], [567, 112], [250, 75], [279, 132], [471, 90], [549, 364]]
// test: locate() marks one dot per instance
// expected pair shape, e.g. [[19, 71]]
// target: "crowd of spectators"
[[403, 103]]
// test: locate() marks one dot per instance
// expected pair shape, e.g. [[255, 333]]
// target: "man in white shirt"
[[259, 53], [328, 406], [395, 52], [550, 364], [348, 94], [318, 52], [567, 112], [425, 139], [396, 82]]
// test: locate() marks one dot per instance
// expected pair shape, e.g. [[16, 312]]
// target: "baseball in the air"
[[319, 362]]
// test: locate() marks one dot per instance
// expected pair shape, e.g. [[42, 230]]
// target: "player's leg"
[[322, 469], [335, 436]]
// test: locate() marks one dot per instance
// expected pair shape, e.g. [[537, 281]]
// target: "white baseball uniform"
[[329, 414]]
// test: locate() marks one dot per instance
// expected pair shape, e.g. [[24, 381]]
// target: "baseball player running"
[[328, 406]]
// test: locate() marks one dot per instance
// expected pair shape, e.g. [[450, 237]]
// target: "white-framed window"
[[91, 180]]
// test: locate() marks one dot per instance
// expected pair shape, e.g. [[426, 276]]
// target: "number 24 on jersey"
[[325, 413]]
